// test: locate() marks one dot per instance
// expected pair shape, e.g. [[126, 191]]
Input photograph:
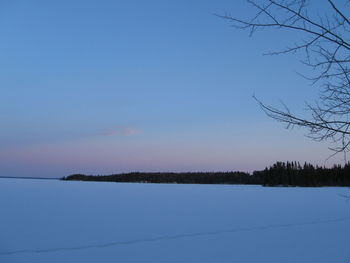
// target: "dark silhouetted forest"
[[294, 174], [279, 174]]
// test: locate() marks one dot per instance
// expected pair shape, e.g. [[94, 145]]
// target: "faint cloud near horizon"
[[121, 131]]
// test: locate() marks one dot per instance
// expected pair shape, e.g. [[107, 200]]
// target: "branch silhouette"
[[325, 44]]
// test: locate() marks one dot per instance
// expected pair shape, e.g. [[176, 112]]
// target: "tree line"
[[294, 174], [279, 174], [180, 178]]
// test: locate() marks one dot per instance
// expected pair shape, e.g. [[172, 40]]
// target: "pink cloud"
[[121, 131]]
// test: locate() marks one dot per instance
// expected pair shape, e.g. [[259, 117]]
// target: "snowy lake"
[[65, 221]]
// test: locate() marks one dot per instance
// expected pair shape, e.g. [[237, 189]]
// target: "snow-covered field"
[[58, 221]]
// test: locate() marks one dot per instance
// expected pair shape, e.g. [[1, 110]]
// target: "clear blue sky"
[[105, 86]]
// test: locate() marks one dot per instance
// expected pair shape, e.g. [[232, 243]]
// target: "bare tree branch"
[[326, 46]]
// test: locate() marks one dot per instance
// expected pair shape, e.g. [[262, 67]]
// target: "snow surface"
[[65, 221]]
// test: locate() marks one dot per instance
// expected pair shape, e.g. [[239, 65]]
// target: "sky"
[[100, 87]]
